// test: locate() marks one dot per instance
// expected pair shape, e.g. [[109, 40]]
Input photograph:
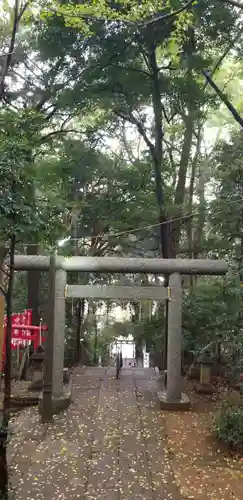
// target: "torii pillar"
[[174, 381], [55, 396], [173, 398]]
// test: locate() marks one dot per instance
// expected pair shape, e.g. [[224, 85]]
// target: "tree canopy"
[[120, 134]]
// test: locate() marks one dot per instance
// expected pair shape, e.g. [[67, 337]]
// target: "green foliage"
[[106, 195], [26, 209], [151, 331], [212, 311], [18, 136], [127, 11], [116, 329], [20, 292], [228, 194], [229, 425]]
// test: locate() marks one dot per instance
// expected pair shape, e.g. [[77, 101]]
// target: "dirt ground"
[[20, 396], [203, 469]]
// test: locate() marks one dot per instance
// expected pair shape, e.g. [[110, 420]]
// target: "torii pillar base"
[[59, 403]]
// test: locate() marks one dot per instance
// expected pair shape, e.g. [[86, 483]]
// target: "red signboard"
[[24, 318], [23, 333]]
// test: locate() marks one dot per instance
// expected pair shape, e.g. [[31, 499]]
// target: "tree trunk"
[[189, 119], [165, 245], [157, 155], [3, 253], [240, 262], [190, 195], [198, 238], [78, 303], [34, 287], [33, 279], [190, 207], [7, 378], [190, 203], [181, 183]]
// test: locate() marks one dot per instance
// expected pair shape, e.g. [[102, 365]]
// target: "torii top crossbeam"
[[123, 265]]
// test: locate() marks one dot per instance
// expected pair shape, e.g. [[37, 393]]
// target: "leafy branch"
[[18, 13]]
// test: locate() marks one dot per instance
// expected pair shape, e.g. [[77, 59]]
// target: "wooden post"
[[174, 339]]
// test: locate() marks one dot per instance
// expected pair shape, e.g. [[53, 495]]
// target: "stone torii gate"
[[59, 290]]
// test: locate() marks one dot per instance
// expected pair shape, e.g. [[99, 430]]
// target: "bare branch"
[[171, 146], [52, 113], [130, 68], [170, 14], [3, 291], [4, 272], [27, 66], [169, 66], [165, 113], [57, 132], [22, 10], [235, 3], [144, 55], [131, 119], [224, 55], [66, 120], [223, 98]]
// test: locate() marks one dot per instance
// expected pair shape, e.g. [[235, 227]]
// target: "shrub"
[[229, 424]]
